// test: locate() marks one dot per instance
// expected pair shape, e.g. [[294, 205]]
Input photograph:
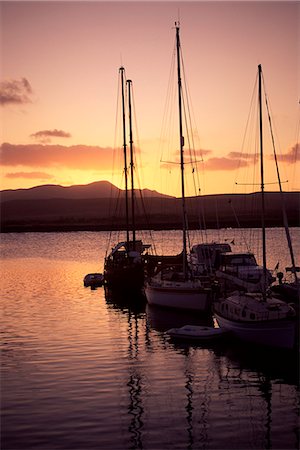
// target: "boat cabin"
[[207, 256]]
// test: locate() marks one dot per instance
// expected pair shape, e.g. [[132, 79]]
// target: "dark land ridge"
[[101, 206]]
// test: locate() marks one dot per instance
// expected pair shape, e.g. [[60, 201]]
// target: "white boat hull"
[[272, 333], [198, 299]]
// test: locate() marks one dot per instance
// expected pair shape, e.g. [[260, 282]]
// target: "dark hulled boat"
[[124, 265]]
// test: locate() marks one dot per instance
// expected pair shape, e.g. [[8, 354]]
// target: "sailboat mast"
[[129, 83], [122, 70], [181, 138], [262, 184]]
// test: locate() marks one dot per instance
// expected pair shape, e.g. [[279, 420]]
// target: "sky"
[[60, 82]]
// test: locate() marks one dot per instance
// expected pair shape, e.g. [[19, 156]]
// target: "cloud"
[[45, 135], [292, 155], [224, 163], [199, 152], [30, 175], [81, 157], [15, 92], [241, 155], [230, 162]]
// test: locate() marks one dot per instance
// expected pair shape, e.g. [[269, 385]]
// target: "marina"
[[95, 373], [150, 243]]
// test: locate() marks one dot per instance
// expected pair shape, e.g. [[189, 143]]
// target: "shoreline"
[[61, 228]]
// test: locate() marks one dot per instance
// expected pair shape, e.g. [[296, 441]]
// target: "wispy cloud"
[[44, 136], [29, 175], [15, 92], [81, 157], [292, 155], [224, 163], [198, 152], [241, 155]]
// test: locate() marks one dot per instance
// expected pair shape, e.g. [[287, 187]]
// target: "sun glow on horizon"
[[59, 105]]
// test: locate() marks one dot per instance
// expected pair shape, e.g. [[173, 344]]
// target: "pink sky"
[[59, 83]]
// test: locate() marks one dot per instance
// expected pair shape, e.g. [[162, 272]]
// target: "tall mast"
[[122, 70], [262, 185], [129, 83], [181, 138]]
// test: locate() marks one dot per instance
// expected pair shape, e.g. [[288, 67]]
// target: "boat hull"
[[122, 279], [186, 299], [196, 333], [271, 333]]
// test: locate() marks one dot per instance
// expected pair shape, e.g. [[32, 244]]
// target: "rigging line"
[[165, 142], [194, 166], [248, 122], [110, 206], [285, 219], [114, 217], [272, 127], [135, 165], [169, 98], [248, 247], [188, 122], [189, 144], [196, 179]]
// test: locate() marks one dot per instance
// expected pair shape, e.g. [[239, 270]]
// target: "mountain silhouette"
[[98, 189], [101, 206]]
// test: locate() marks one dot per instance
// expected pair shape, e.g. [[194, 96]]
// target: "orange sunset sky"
[[59, 84]]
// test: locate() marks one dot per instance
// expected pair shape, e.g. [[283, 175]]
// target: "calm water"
[[80, 372]]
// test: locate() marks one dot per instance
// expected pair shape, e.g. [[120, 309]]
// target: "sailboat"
[[173, 285], [258, 317], [124, 265]]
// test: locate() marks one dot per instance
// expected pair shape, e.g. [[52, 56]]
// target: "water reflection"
[[135, 408], [225, 382], [162, 319], [133, 309], [189, 408], [125, 302], [258, 372]]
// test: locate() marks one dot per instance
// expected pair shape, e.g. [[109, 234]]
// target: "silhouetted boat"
[[124, 265], [93, 280], [258, 317]]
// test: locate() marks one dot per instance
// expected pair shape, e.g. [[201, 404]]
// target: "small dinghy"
[[198, 333], [93, 280]]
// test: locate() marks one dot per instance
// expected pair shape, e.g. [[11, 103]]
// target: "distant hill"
[[98, 189], [101, 206]]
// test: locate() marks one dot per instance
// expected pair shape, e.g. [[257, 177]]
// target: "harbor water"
[[83, 371]]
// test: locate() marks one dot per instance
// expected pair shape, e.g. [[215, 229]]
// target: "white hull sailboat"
[[171, 286], [259, 318], [269, 322], [190, 294]]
